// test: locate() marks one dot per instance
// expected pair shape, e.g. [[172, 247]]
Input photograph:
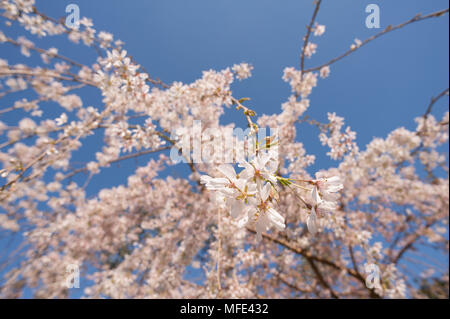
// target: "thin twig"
[[388, 29], [433, 101], [122, 158], [308, 33]]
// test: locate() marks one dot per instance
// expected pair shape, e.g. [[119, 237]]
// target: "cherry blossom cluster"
[[251, 194]]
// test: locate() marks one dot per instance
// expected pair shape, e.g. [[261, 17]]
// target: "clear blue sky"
[[377, 89]]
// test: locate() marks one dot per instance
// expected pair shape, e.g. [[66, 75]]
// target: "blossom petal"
[[315, 196], [265, 191], [228, 171], [311, 222]]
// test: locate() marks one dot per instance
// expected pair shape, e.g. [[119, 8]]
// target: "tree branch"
[[388, 29], [308, 33]]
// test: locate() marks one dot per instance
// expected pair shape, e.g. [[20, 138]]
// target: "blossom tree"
[[260, 225]]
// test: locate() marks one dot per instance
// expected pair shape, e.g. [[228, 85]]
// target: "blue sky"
[[383, 86]]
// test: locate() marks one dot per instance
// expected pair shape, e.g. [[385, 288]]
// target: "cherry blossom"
[[261, 226]]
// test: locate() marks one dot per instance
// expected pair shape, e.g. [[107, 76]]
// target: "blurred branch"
[[314, 258]]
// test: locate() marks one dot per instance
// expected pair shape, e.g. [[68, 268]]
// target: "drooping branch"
[[310, 257]]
